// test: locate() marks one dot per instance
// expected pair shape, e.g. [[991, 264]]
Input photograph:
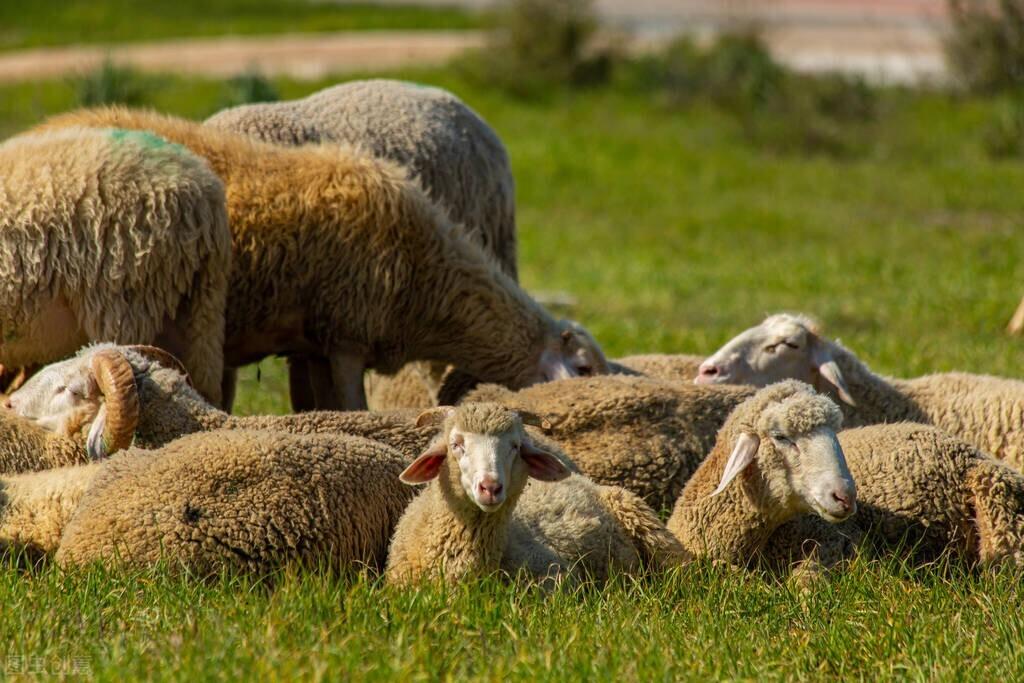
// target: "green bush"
[[536, 45], [249, 88], [1003, 138], [111, 84], [985, 49]]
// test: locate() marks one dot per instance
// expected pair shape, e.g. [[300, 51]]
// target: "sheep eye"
[[791, 345], [782, 439]]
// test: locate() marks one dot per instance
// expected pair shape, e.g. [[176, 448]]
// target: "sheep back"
[[252, 500]]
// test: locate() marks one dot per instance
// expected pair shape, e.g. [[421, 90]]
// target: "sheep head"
[[784, 346], [97, 386], [483, 456], [786, 436]]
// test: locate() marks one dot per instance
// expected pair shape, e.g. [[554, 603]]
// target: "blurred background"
[[683, 166]]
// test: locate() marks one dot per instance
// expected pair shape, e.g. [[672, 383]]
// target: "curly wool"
[[644, 435], [372, 268], [678, 367], [117, 234], [246, 499], [27, 447], [921, 492]]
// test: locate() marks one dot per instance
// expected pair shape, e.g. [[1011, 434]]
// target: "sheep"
[[645, 435], [111, 235], [478, 514], [679, 367], [983, 410], [460, 162], [783, 443], [340, 255], [253, 500], [921, 492]]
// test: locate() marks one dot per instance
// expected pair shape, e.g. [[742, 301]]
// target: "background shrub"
[[111, 84], [985, 48]]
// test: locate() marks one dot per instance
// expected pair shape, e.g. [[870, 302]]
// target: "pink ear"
[[427, 466], [541, 464]]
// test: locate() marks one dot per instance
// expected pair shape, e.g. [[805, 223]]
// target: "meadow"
[[673, 232]]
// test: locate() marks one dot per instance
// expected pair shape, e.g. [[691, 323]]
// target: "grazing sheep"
[[247, 499], [985, 411], [645, 435], [921, 492], [338, 254], [781, 446], [479, 514], [111, 235]]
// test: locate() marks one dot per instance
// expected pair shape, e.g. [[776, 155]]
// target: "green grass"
[[61, 22], [674, 234]]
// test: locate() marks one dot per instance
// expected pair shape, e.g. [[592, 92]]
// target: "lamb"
[[644, 435], [478, 514], [241, 499], [985, 411], [921, 492], [783, 443], [111, 235], [314, 225]]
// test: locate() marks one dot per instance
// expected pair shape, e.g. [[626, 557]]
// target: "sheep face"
[[570, 352], [800, 465], [782, 347], [61, 397], [485, 457]]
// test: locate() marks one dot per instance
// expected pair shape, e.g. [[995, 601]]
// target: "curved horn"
[[116, 381], [164, 358]]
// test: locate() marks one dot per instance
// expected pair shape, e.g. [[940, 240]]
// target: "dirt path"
[[885, 40], [301, 56]]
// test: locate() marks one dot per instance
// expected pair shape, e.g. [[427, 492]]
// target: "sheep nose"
[[706, 372], [844, 499], [490, 488]]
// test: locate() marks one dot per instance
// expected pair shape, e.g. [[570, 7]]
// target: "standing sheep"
[[645, 435], [458, 159], [340, 254], [111, 235], [985, 411], [479, 514]]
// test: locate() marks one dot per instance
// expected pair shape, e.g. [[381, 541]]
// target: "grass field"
[[62, 22], [674, 233]]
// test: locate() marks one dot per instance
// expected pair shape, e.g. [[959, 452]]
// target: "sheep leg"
[[998, 497], [347, 373], [300, 386], [228, 386]]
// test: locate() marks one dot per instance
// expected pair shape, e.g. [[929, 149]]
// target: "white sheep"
[[479, 514], [111, 235], [985, 411]]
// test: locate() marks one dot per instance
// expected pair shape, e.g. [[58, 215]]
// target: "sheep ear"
[[434, 416], [742, 455], [829, 369], [542, 465], [94, 445], [534, 420], [427, 466]]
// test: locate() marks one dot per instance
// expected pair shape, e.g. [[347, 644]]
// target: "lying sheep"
[[313, 225], [479, 514], [985, 411], [678, 367], [111, 235], [645, 435], [26, 447], [780, 445], [247, 499]]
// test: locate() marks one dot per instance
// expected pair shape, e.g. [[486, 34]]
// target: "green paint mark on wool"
[[145, 139]]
